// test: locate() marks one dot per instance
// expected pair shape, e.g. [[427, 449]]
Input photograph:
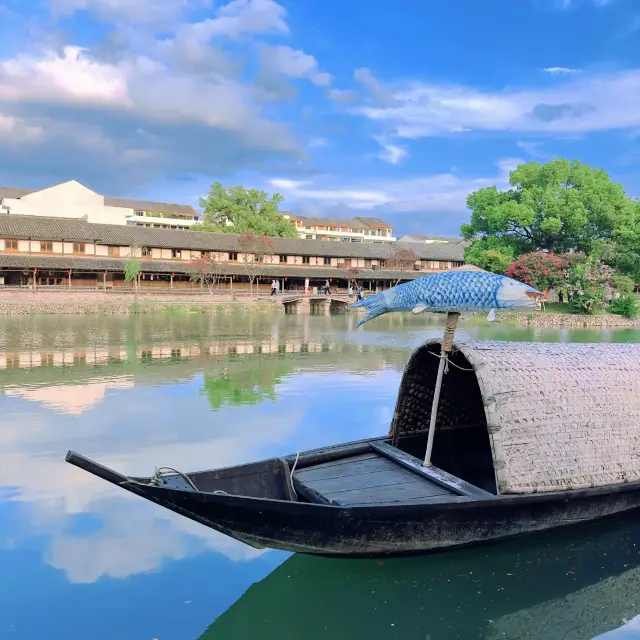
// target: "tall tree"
[[553, 207], [207, 270], [132, 268], [239, 210], [401, 260]]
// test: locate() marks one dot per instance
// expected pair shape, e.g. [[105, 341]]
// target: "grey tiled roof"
[[10, 192], [99, 264], [148, 205], [332, 222], [73, 230], [373, 222], [127, 203]]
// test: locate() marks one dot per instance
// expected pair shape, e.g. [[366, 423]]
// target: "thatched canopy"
[[558, 416]]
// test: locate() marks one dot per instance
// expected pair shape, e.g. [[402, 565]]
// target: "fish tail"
[[375, 306]]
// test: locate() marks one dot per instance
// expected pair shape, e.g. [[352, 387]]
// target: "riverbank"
[[569, 320], [90, 303]]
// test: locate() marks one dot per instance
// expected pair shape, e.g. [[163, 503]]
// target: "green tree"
[[491, 254], [132, 270], [555, 207], [245, 381], [240, 210], [588, 284]]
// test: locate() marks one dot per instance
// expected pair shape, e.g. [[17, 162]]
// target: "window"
[[114, 252], [308, 228], [233, 256], [345, 239], [176, 253], [146, 251], [11, 245], [139, 213], [283, 259], [46, 246], [78, 247], [309, 237], [305, 259], [326, 260], [196, 218]]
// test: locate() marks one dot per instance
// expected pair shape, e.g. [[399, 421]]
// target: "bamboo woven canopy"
[[558, 416]]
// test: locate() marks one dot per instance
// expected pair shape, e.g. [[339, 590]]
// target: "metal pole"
[[447, 346]]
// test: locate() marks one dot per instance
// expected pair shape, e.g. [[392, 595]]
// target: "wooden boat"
[[530, 437]]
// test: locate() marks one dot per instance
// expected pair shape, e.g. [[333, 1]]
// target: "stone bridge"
[[316, 303]]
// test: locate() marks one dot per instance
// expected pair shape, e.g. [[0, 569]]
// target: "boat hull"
[[372, 530], [383, 531]]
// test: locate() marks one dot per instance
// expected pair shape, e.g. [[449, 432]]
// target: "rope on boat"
[[448, 362], [157, 477], [293, 468]]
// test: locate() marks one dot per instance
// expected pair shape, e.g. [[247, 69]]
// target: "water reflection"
[[192, 392], [572, 586]]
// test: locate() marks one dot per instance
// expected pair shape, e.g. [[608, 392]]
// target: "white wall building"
[[359, 229], [74, 200]]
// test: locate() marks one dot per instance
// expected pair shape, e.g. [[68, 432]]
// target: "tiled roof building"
[[97, 253]]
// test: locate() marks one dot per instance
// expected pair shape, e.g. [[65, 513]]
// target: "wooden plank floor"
[[365, 479]]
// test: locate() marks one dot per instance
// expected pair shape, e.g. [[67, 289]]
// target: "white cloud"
[[589, 103], [68, 77], [15, 131], [184, 89], [390, 153], [240, 18], [379, 93], [141, 11], [431, 193], [354, 197], [318, 143], [533, 149], [293, 63], [342, 95], [556, 71]]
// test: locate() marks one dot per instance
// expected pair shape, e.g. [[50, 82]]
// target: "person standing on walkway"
[[306, 286], [273, 287], [327, 289]]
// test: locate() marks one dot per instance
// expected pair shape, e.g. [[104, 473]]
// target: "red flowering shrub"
[[538, 269]]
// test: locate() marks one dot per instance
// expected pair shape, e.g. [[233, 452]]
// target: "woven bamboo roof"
[[559, 416]]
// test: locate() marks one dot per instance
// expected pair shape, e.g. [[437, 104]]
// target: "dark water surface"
[[81, 559]]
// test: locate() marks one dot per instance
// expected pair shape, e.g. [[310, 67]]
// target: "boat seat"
[[366, 479]]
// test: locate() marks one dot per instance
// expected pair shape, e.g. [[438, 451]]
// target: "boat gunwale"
[[134, 485]]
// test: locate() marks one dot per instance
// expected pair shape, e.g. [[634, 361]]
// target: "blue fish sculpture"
[[452, 291]]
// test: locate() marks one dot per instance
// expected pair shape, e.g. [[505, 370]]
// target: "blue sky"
[[395, 109]]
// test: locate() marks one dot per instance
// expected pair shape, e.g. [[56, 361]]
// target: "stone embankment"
[[95, 303], [575, 321]]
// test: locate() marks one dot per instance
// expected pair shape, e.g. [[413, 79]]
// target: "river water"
[[80, 558]]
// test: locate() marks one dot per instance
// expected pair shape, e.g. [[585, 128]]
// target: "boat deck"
[[366, 479]]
